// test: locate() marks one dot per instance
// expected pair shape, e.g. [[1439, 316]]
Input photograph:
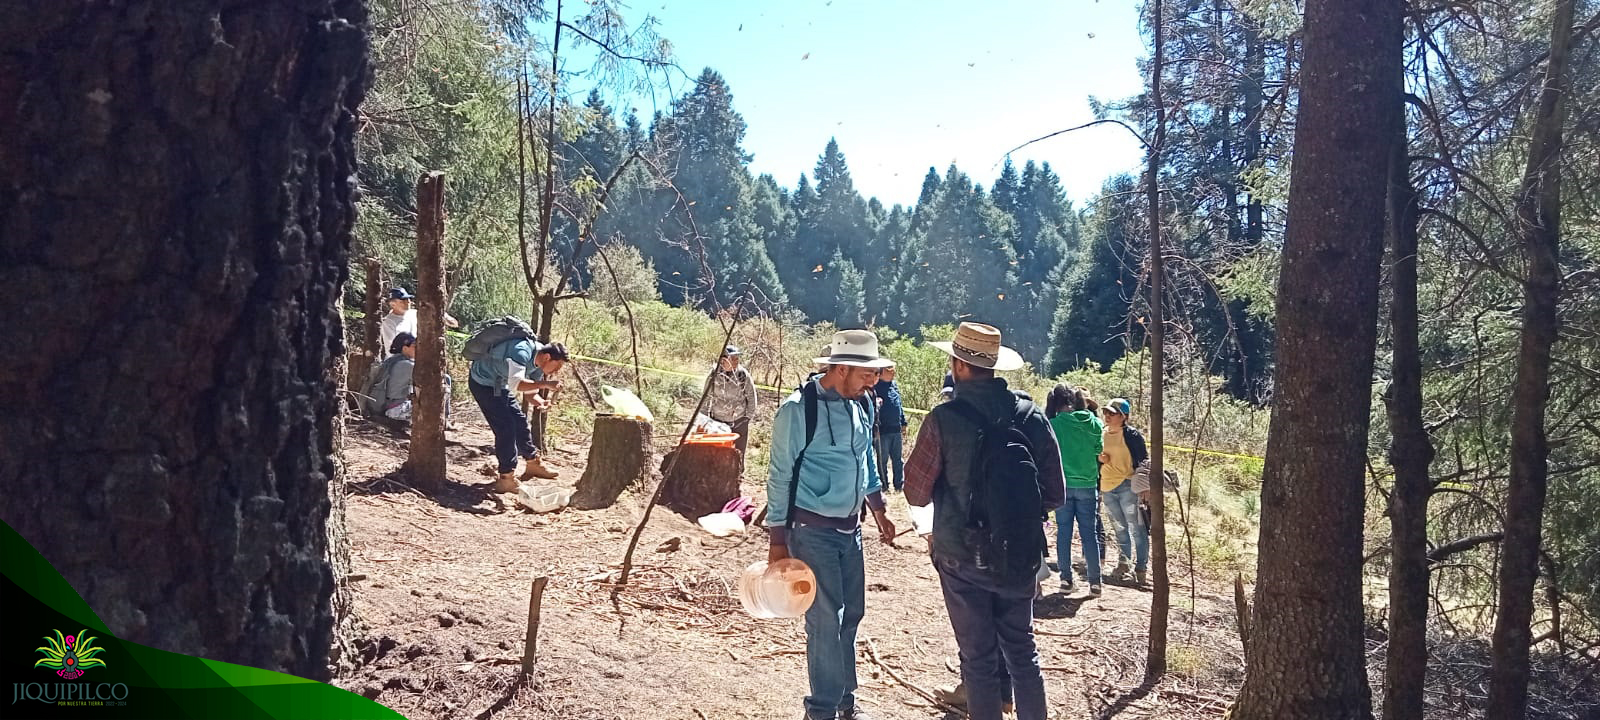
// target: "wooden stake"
[[530, 644]]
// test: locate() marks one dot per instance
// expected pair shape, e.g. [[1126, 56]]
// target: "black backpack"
[[495, 332], [809, 400], [1005, 513]]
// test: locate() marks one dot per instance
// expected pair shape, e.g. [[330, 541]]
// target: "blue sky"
[[907, 85]]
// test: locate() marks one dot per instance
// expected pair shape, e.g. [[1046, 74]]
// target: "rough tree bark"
[[619, 459], [177, 188], [425, 463], [362, 359], [1410, 452], [1160, 598], [1538, 228], [704, 478], [1306, 659]]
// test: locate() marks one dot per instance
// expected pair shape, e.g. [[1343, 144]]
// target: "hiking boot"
[[504, 483], [1068, 587], [952, 695], [1140, 578], [1121, 573], [855, 713], [1095, 589], [535, 469]]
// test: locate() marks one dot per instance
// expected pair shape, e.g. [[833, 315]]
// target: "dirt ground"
[[444, 581]]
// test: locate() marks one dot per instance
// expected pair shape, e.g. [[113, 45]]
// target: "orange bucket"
[[717, 439]]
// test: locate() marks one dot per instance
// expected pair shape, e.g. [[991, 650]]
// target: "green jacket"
[[1079, 436]]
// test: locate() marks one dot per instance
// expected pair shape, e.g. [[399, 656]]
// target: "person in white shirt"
[[403, 318]]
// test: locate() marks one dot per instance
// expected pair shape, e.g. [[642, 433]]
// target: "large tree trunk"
[[1160, 599], [1538, 225], [425, 462], [1410, 454], [619, 459], [176, 198], [1306, 659]]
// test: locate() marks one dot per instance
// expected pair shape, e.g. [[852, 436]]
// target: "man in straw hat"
[[988, 462], [821, 472]]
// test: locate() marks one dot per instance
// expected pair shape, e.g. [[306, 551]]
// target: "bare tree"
[[426, 457], [1306, 660], [1161, 598], [1538, 216]]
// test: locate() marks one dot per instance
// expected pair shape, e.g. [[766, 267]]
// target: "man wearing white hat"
[[821, 472], [988, 462]]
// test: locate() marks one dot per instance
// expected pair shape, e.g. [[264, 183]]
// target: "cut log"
[[619, 459], [703, 479]]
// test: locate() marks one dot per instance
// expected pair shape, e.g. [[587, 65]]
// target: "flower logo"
[[70, 655]]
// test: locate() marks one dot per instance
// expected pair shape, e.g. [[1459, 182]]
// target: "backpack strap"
[[808, 400]]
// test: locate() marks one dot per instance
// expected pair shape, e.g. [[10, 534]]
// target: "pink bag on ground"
[[744, 507]]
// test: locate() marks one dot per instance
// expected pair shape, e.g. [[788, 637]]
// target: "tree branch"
[[1443, 552]]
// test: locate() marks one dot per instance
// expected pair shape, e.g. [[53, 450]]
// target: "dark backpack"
[[495, 332], [809, 400], [1005, 513]]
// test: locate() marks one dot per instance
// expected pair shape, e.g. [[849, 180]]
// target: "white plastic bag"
[[922, 518], [723, 524], [625, 404], [704, 425], [543, 499]]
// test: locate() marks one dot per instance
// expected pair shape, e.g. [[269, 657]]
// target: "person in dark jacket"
[[891, 430], [1124, 452], [993, 623]]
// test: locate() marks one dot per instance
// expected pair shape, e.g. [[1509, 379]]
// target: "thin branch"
[[1143, 144]]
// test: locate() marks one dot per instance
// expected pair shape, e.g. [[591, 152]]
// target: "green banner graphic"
[[59, 661]]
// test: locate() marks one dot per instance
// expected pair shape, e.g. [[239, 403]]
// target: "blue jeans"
[[512, 436], [891, 449], [831, 622], [1083, 509], [1123, 504], [994, 630]]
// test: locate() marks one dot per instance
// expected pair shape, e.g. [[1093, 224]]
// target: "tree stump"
[[619, 458], [703, 480]]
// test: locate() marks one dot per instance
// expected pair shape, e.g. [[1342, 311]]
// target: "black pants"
[[741, 427], [511, 435]]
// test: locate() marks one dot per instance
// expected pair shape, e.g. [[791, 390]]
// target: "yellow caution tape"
[[781, 391]]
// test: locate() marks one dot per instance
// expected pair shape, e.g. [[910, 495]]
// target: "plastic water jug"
[[922, 518], [783, 589], [543, 499]]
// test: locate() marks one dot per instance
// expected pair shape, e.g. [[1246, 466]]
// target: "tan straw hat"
[[858, 348], [978, 344]]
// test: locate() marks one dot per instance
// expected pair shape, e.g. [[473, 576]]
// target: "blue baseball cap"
[[399, 294], [1120, 406]]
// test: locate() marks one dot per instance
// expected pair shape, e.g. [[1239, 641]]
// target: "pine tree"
[[849, 293], [961, 263], [834, 219], [1008, 189], [1044, 222], [702, 140], [1098, 292], [884, 282]]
